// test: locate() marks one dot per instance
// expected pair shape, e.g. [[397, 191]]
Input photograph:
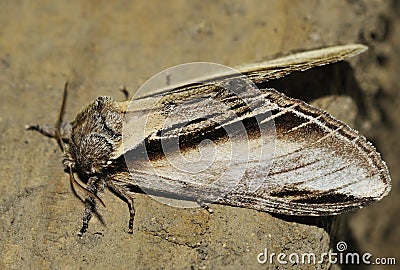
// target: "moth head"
[[92, 154]]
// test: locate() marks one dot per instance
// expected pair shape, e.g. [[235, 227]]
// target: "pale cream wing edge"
[[275, 68], [140, 107]]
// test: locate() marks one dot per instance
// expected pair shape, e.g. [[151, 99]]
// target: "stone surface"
[[99, 46]]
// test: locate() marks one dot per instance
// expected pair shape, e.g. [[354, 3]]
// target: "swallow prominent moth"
[[222, 140]]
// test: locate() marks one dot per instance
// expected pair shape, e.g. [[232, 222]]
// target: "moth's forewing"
[[320, 166]]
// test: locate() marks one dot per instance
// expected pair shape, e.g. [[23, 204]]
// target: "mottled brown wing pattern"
[[320, 165]]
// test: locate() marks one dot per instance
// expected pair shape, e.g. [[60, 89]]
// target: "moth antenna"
[[60, 119], [74, 182], [73, 188], [125, 92]]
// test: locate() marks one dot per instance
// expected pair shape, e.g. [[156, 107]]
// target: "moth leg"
[[50, 130], [90, 205], [205, 206], [129, 201]]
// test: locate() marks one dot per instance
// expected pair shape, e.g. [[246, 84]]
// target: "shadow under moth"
[[222, 140]]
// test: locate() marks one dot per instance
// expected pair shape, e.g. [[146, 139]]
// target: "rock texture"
[[99, 46]]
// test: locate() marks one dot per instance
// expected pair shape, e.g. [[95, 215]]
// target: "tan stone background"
[[100, 45]]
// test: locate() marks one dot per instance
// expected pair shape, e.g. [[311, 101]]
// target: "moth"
[[222, 140]]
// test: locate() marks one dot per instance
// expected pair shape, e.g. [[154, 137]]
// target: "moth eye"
[[68, 163]]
